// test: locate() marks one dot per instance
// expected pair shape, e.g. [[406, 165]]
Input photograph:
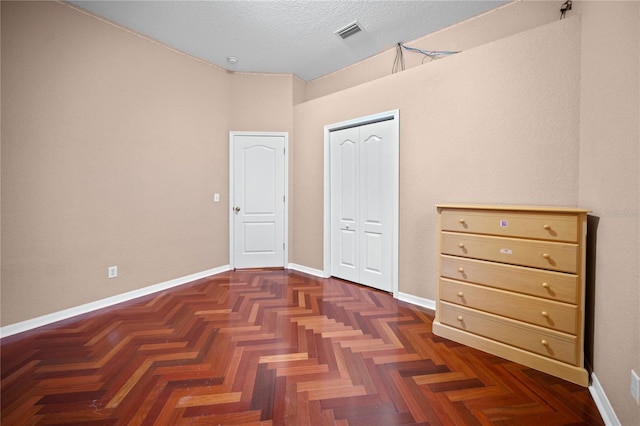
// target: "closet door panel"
[[362, 205], [375, 219], [344, 204]]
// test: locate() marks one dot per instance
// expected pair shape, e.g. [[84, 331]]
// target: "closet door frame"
[[394, 116]]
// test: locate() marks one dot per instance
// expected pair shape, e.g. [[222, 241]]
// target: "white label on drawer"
[[504, 223], [506, 251]]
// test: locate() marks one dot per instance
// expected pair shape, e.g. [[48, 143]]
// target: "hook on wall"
[[564, 8]]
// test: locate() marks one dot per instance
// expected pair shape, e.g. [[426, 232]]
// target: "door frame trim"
[[232, 135], [394, 116]]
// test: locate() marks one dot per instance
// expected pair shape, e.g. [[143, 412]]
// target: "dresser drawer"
[[537, 254], [558, 286], [543, 226], [549, 343], [542, 312]]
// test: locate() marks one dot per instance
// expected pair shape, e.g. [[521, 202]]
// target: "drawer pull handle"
[[461, 220], [547, 227], [546, 255], [461, 245], [461, 269], [545, 314], [545, 285], [460, 294], [460, 318], [544, 343]]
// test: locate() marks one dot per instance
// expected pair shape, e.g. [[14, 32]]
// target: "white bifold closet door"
[[361, 204]]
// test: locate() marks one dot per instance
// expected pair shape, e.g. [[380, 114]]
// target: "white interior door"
[[362, 204], [345, 186], [258, 200]]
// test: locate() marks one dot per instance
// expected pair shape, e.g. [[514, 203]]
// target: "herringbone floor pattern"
[[270, 347]]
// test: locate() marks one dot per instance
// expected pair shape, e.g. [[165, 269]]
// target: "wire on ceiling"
[[398, 63]]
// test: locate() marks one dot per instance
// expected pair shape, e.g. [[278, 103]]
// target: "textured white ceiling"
[[285, 36]]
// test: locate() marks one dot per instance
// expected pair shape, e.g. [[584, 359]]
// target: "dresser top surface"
[[503, 207]]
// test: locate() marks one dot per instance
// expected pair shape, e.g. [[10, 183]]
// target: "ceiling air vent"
[[349, 30]]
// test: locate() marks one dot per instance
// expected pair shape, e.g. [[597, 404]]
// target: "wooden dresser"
[[512, 283]]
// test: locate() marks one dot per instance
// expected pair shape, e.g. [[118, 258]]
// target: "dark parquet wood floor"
[[270, 347]]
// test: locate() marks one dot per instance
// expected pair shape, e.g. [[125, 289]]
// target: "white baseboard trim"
[[597, 391], [414, 300], [419, 301], [602, 402], [306, 270], [30, 324]]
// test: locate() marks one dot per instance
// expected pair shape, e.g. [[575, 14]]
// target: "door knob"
[[237, 209]]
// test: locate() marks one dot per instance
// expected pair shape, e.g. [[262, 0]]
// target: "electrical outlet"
[[635, 386], [112, 271]]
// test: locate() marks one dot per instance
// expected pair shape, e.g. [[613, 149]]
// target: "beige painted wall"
[[0, 171], [112, 147], [610, 187], [476, 127], [504, 21], [261, 102]]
